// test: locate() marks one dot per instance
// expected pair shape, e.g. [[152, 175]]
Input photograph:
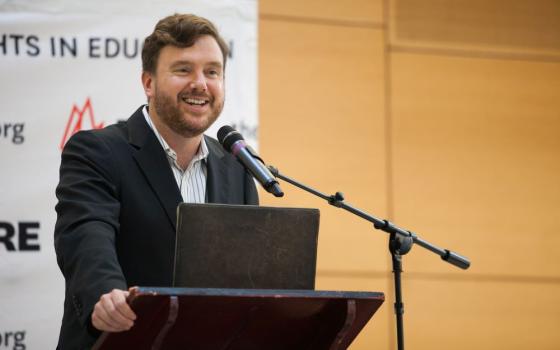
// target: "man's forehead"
[[204, 47]]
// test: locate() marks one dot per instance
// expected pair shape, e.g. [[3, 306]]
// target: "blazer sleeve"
[[87, 222]]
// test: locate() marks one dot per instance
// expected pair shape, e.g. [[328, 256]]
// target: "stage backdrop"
[[67, 66]]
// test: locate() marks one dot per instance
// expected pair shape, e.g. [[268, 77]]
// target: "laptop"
[[245, 246]]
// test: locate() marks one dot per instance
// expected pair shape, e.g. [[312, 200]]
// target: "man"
[[120, 186]]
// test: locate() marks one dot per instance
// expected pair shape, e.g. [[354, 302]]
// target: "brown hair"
[[180, 30]]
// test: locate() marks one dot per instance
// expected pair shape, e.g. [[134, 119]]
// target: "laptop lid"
[[245, 246]]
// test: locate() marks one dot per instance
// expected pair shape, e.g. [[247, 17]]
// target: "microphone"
[[234, 143]]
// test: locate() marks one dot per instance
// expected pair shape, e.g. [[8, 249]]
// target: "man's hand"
[[112, 313]]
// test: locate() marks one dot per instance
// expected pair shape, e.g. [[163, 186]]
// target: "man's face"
[[187, 91]]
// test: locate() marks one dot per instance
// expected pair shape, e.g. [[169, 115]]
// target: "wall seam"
[[323, 21], [451, 277], [389, 163], [477, 54]]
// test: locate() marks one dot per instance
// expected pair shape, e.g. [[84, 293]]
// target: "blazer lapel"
[[153, 162], [217, 181]]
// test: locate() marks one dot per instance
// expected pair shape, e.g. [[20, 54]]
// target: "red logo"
[[76, 119]]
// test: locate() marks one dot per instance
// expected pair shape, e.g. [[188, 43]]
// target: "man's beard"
[[172, 116]]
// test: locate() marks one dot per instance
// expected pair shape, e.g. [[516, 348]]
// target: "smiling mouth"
[[195, 101]]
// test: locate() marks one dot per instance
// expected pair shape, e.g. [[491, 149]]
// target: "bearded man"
[[120, 186]]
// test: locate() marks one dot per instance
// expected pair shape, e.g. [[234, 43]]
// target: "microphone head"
[[227, 136]]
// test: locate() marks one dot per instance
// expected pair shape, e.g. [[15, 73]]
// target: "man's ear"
[[148, 84]]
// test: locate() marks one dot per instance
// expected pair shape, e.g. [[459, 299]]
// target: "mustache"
[[194, 94]]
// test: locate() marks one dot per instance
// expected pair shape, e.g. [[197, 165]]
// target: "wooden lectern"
[[243, 319]]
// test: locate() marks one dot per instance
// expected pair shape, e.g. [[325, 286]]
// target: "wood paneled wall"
[[443, 116]]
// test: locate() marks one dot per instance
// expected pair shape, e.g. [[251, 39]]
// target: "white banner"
[[66, 67]]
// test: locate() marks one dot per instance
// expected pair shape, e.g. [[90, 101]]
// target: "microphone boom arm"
[[337, 200]]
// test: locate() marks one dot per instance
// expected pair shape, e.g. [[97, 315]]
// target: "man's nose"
[[198, 83]]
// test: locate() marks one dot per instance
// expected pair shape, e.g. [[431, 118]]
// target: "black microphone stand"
[[400, 243]]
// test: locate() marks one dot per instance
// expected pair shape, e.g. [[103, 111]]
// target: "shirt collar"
[[201, 154]]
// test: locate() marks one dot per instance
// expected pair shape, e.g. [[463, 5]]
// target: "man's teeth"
[[194, 101]]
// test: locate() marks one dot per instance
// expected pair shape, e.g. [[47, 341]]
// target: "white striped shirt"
[[191, 182]]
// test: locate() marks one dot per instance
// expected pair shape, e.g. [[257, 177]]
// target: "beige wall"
[[443, 116]]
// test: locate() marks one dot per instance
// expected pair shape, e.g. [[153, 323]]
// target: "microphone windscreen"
[[227, 136]]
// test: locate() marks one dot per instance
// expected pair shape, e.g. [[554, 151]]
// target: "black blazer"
[[116, 215]]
